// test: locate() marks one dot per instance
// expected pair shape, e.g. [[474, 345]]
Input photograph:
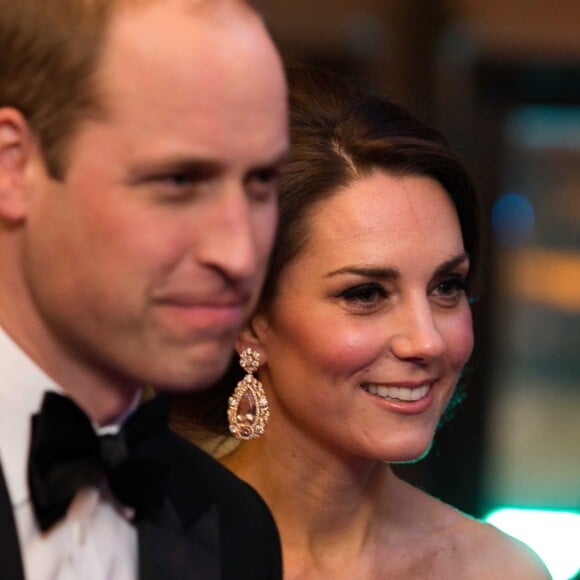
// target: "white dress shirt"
[[95, 541]]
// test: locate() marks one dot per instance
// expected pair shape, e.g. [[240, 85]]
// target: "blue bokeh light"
[[512, 218]]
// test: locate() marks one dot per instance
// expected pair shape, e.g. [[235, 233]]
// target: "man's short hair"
[[49, 52]]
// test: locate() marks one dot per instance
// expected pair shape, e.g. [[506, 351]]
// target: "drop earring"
[[248, 410]]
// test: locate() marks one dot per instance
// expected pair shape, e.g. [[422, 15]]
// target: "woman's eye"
[[452, 289], [364, 294]]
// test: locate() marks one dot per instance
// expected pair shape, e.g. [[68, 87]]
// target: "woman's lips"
[[404, 399], [399, 393]]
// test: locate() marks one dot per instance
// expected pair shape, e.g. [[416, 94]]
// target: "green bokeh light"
[[553, 534]]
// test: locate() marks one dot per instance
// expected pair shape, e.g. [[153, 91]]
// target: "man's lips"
[[207, 298], [201, 312]]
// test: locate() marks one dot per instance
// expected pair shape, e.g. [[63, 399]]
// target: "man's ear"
[[252, 336], [16, 147]]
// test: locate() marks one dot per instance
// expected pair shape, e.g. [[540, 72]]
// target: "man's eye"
[[179, 186], [267, 175], [179, 179], [263, 184]]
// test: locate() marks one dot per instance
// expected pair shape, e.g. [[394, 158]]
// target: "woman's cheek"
[[348, 351], [460, 338]]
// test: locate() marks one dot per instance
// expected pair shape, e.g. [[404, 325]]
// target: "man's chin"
[[197, 376]]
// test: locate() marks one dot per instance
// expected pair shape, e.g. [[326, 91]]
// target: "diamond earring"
[[248, 410]]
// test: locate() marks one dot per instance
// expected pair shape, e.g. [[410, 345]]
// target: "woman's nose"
[[417, 336]]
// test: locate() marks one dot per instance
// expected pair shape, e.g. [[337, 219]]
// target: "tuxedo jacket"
[[211, 526]]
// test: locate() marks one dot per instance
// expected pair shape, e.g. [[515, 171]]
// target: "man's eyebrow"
[[276, 162], [177, 164], [198, 166]]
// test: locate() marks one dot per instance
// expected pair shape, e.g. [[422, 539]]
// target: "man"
[[140, 142]]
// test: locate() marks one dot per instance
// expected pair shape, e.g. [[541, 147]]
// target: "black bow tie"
[[66, 454]]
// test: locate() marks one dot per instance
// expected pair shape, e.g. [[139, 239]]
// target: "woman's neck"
[[319, 500]]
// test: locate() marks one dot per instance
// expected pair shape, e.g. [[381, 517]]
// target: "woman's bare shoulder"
[[474, 549], [487, 553], [498, 555]]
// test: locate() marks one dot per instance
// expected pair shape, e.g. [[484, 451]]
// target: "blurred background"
[[501, 80]]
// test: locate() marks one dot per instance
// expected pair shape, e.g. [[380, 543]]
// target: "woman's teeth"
[[398, 393]]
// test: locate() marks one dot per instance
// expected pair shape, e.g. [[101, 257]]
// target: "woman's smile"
[[375, 301], [403, 400]]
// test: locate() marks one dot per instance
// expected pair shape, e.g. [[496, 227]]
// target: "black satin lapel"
[[168, 551], [10, 559]]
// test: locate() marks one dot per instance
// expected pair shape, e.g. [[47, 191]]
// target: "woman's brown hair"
[[338, 134]]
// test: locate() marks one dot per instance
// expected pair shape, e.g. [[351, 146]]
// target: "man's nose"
[[229, 242]]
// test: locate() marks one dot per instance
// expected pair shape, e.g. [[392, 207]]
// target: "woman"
[[362, 331]]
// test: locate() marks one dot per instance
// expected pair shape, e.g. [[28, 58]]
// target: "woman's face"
[[371, 325]]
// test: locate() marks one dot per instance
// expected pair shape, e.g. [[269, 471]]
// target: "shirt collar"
[[22, 387]]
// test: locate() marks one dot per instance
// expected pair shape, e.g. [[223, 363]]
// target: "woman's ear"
[[253, 336], [16, 146]]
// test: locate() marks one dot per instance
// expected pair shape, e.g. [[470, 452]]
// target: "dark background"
[[475, 69]]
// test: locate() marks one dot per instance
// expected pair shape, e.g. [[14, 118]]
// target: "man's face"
[[144, 262]]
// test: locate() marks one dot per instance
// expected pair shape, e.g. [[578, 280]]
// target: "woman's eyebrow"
[[452, 263], [393, 273], [367, 271]]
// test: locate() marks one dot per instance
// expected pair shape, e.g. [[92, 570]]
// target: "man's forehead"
[[157, 68], [199, 6]]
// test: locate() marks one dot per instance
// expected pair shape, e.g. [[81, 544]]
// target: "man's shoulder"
[[193, 469], [249, 540]]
